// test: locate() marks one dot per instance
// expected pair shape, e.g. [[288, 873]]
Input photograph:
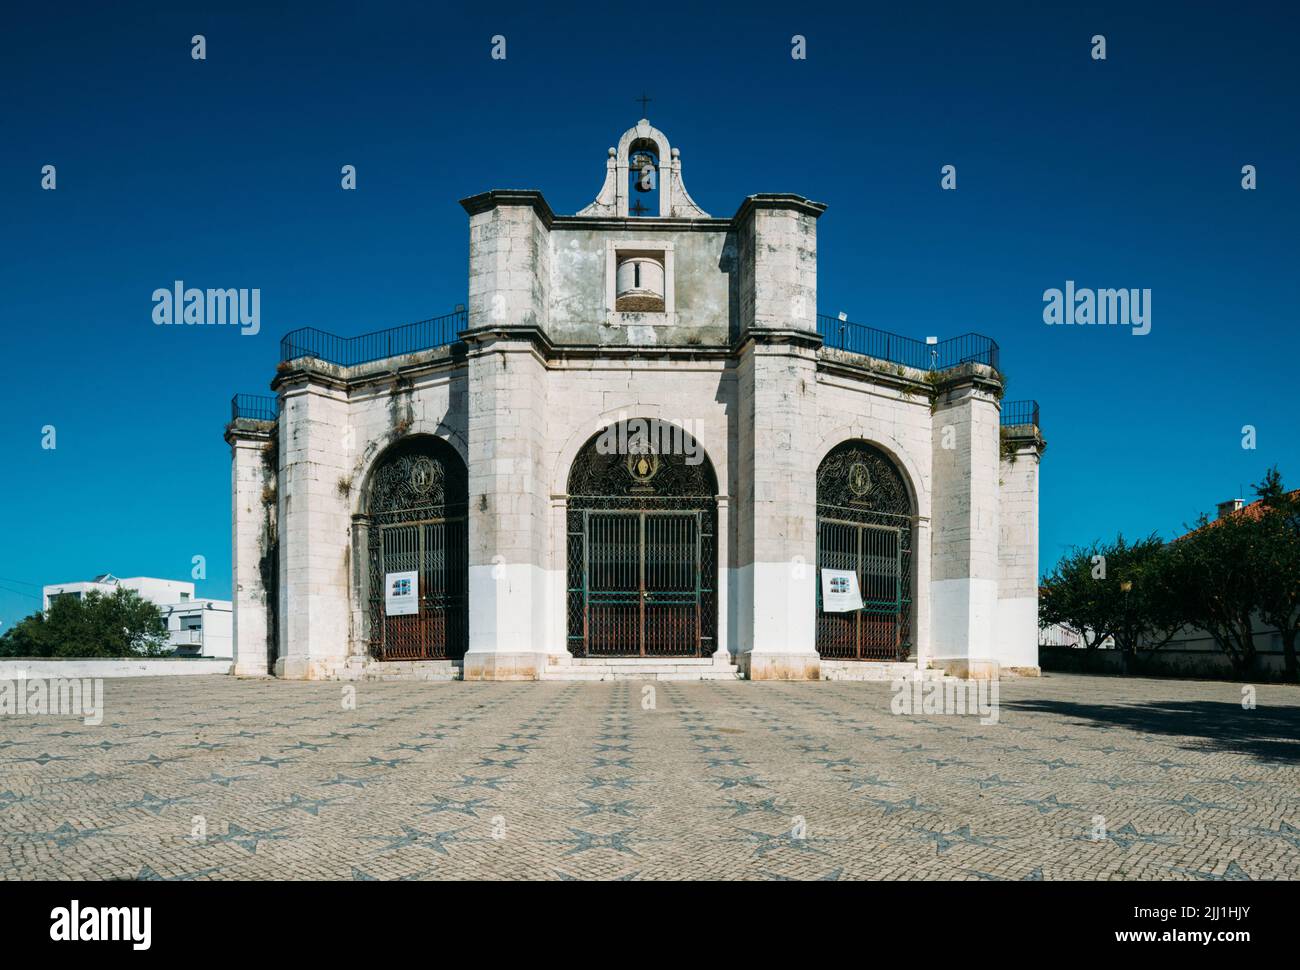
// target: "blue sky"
[[225, 172]]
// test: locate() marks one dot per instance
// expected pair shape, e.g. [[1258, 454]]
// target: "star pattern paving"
[[1081, 778]]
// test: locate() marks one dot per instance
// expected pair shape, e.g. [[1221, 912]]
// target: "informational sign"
[[401, 594], [840, 593]]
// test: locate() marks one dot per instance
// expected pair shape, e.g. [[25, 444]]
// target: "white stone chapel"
[[638, 451]]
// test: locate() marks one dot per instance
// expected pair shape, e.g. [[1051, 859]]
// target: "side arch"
[[866, 516], [411, 546]]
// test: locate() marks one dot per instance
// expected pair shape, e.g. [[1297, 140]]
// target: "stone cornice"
[[309, 370], [488, 339], [486, 201], [779, 336], [649, 223], [1024, 437], [494, 333], [248, 429], [882, 372], [641, 352], [777, 200]]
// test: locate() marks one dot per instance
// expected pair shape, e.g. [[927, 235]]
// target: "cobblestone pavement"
[[717, 781]]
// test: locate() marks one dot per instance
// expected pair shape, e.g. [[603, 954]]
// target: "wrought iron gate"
[[642, 555], [864, 525], [417, 524], [643, 591]]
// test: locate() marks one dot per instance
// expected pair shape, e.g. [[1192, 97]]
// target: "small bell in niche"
[[646, 165]]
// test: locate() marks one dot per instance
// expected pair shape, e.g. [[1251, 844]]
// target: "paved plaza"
[[1081, 778]]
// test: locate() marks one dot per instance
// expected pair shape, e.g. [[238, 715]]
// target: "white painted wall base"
[[962, 613], [784, 607], [249, 668], [503, 665], [1017, 632], [770, 665]]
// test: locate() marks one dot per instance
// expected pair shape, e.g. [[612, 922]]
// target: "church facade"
[[638, 451]]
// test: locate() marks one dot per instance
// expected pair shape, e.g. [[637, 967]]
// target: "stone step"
[[874, 670], [640, 670], [641, 661], [436, 670]]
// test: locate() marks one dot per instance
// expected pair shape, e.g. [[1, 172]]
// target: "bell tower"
[[642, 170]]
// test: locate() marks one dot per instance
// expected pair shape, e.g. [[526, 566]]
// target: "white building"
[[195, 627], [201, 628], [160, 592], [641, 451]]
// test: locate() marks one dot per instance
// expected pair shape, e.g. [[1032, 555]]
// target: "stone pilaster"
[[1017, 617], [964, 522], [315, 531], [776, 515], [509, 493], [253, 552], [509, 509]]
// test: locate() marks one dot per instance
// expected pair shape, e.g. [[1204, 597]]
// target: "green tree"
[[1111, 590], [1275, 564], [1210, 575], [1072, 596], [120, 625]]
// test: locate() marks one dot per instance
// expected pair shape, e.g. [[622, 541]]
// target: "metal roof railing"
[[1019, 412], [908, 351], [393, 342], [255, 407]]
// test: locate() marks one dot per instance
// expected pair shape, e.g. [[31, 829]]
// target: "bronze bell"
[[643, 163]]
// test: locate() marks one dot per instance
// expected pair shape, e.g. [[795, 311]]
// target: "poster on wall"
[[401, 593], [840, 593]]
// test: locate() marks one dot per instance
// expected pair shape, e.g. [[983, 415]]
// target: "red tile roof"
[[1253, 511]]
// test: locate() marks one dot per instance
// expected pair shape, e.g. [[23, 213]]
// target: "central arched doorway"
[[418, 545], [864, 527], [642, 544]]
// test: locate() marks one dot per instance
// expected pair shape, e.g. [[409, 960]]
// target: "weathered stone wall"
[[702, 281], [782, 242], [509, 267]]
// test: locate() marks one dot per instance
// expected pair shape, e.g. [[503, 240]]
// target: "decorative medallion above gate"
[[864, 527], [417, 531], [642, 545]]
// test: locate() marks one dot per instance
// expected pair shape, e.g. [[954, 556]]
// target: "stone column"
[[315, 529], [776, 511], [922, 636], [964, 519], [557, 595], [252, 507], [722, 584]]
